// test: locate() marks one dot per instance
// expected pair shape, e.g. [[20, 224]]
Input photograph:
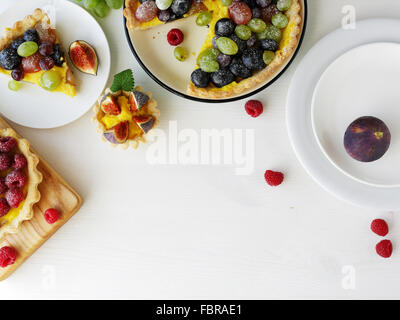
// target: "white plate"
[[298, 114], [361, 82], [33, 106]]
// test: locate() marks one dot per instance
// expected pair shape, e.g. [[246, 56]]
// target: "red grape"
[[46, 34], [268, 12], [147, 11], [46, 63], [32, 63], [240, 12], [46, 49], [17, 74]]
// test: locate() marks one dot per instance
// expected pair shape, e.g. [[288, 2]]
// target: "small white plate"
[[35, 107], [298, 113], [361, 82]]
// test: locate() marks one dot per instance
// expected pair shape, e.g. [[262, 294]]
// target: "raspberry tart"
[[31, 51], [19, 180], [248, 40], [125, 118]]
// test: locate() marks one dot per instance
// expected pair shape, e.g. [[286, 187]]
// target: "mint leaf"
[[123, 81]]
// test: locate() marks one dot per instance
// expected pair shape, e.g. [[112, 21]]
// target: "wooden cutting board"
[[55, 193]]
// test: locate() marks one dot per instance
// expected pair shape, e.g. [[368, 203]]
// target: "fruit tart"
[[126, 117], [19, 180], [247, 43], [31, 51]]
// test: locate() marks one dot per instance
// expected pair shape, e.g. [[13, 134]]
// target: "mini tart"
[[106, 122], [11, 221], [287, 46], [68, 84]]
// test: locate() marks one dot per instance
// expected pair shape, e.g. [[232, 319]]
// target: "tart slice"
[[19, 180], [31, 51], [248, 40]]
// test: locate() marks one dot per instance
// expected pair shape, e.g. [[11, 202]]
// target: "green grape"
[[102, 9], [208, 55], [163, 4], [50, 80], [280, 20], [180, 53], [243, 32], [268, 56], [257, 25], [27, 49], [204, 18], [227, 46], [114, 4], [209, 66], [14, 85], [283, 5], [271, 32], [90, 4], [226, 3]]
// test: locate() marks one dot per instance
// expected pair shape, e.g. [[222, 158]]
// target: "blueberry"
[[180, 7], [224, 60], [252, 41], [222, 77], [174, 17], [239, 69], [164, 15], [58, 55], [250, 3], [31, 35], [214, 41], [253, 59], [16, 43], [263, 3], [200, 78], [269, 44], [242, 44], [9, 59], [224, 27], [256, 13]]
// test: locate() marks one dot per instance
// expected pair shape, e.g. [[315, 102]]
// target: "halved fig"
[[144, 122], [118, 134], [137, 100], [110, 106], [84, 57]]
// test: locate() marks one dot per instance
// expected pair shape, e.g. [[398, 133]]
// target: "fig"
[[367, 139], [118, 134], [84, 57], [144, 122], [110, 106], [137, 100]]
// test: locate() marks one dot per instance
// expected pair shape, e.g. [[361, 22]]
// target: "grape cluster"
[[101, 8]]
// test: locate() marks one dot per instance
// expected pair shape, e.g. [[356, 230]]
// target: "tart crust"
[[30, 21], [35, 177], [129, 143]]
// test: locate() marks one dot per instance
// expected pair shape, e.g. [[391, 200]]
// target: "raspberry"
[[51, 215], [384, 248], [380, 227], [8, 255], [3, 186], [273, 178], [175, 37], [7, 144], [4, 207], [254, 108], [19, 161], [16, 179], [14, 197], [5, 161]]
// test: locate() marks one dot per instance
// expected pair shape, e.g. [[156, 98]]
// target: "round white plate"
[[35, 107], [361, 82], [298, 114]]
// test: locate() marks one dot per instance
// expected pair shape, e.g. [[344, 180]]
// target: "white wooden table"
[[201, 231]]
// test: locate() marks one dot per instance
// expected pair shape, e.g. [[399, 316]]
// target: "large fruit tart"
[[31, 51], [247, 43], [19, 180]]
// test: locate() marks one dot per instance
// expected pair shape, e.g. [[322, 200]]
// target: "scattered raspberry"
[[8, 255], [254, 108], [16, 179], [19, 161], [4, 207], [7, 144], [14, 197], [175, 37], [384, 248], [380, 227], [3, 186], [273, 178], [51, 215], [5, 161]]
